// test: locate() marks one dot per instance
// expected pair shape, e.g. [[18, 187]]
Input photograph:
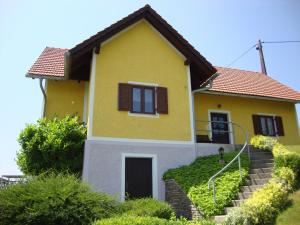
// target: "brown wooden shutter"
[[256, 124], [162, 100], [279, 126], [124, 97]]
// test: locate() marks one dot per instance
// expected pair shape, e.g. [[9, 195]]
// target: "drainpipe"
[[44, 97], [204, 87]]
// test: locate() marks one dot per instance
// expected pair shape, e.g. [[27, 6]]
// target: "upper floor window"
[[268, 125], [142, 99]]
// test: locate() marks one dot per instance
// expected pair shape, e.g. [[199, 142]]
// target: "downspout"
[[202, 88], [44, 97]]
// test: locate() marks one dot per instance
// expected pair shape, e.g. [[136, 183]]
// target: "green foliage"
[[147, 220], [55, 144], [285, 158], [53, 199], [286, 176], [266, 203], [263, 142], [194, 180], [147, 207], [237, 217]]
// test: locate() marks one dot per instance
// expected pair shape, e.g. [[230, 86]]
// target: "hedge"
[[140, 220], [54, 199], [147, 207], [265, 203], [194, 179]]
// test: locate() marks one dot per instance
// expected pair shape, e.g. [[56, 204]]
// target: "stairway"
[[261, 166]]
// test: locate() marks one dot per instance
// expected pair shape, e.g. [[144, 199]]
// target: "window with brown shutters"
[[142, 99], [267, 125]]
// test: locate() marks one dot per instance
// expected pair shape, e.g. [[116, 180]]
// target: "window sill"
[[143, 115]]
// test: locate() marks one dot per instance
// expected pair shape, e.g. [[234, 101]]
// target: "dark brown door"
[[138, 177], [220, 131]]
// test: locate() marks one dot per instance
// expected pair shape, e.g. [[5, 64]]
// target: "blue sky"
[[220, 30]]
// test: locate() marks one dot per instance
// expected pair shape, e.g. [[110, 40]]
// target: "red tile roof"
[[49, 63], [232, 81], [244, 82]]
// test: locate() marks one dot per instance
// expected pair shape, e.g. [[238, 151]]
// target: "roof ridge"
[[47, 47], [239, 69]]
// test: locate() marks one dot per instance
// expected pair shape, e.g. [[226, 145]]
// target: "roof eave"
[[48, 77], [252, 96]]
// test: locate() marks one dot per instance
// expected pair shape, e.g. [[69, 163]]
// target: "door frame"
[[154, 171], [231, 136]]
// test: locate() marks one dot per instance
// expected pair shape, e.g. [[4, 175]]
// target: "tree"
[[55, 144]]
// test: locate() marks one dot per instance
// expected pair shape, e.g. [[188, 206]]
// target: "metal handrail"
[[237, 157]]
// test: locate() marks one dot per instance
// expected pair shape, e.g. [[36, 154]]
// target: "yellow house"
[[152, 102]]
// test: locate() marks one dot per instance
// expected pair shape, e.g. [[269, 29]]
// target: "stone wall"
[[178, 199]]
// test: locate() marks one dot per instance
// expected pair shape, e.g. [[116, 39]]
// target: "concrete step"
[[258, 161], [244, 195], [261, 170], [257, 181], [251, 188], [261, 156], [260, 175], [220, 219], [229, 209], [261, 165], [237, 203]]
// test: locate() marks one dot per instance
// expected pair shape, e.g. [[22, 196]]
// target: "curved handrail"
[[237, 157]]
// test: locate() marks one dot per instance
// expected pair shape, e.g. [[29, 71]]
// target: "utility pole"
[[261, 55]]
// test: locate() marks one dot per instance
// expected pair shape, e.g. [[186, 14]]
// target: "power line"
[[279, 42], [243, 54]]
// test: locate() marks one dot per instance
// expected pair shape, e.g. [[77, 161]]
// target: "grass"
[[194, 178], [291, 215], [294, 148]]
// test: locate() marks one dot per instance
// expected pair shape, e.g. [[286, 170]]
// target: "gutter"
[[44, 95]]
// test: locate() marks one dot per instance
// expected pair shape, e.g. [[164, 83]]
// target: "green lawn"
[[291, 216]]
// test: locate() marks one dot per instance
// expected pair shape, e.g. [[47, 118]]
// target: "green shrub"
[[147, 207], [194, 179], [147, 220], [53, 199], [266, 203], [263, 142], [237, 217], [136, 220], [286, 176], [285, 158], [52, 144]]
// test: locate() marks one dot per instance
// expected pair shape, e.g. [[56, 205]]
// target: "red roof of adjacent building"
[[49, 63], [236, 81], [232, 81]]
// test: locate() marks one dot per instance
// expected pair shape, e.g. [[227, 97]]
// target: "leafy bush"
[[147, 207], [237, 217], [194, 180], [140, 220], [54, 199], [266, 203], [286, 176], [285, 158], [263, 142], [52, 144]]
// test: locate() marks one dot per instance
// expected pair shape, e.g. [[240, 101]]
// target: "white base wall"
[[204, 149], [102, 167]]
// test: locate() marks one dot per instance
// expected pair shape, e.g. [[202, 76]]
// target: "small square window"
[[143, 99]]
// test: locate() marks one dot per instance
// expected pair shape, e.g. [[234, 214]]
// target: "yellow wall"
[[241, 111], [64, 97], [141, 55]]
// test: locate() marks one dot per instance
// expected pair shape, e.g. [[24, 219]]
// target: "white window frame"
[[154, 172], [231, 136]]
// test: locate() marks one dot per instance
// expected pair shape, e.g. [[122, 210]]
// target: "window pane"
[[270, 126], [263, 125], [136, 100], [149, 101]]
